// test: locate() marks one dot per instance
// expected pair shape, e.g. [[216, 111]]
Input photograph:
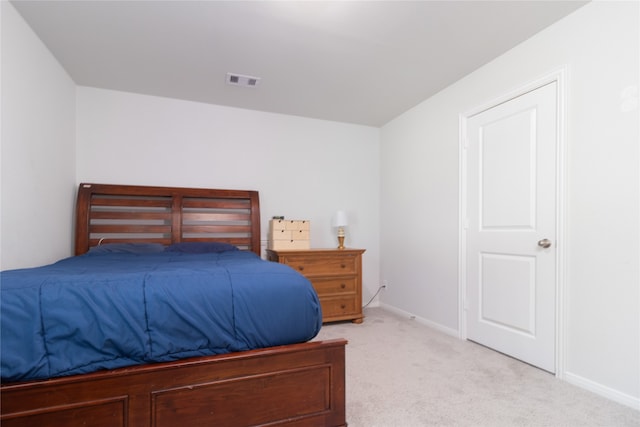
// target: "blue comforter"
[[104, 311]]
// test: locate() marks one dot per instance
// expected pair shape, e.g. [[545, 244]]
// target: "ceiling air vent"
[[242, 80]]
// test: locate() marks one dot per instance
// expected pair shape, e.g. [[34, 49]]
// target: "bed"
[[246, 360]]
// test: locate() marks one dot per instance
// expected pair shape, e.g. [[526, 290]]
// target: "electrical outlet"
[[385, 285]]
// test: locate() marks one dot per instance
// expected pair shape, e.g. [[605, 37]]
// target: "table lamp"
[[340, 221]]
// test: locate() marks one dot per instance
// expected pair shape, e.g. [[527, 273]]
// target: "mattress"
[[109, 310]]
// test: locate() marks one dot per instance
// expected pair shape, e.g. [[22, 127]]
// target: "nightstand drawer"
[[322, 265], [289, 244], [336, 307], [336, 285]]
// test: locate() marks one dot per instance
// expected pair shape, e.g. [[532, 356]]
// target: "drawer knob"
[[342, 285], [301, 267], [343, 266], [343, 306]]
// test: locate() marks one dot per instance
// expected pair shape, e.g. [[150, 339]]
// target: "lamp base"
[[340, 242]]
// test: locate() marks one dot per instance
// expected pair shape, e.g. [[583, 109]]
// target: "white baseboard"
[[421, 320], [604, 391], [577, 380]]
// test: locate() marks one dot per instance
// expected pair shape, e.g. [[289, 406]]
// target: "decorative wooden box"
[[289, 234]]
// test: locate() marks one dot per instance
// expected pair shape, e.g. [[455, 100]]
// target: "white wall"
[[599, 45], [37, 149], [303, 168]]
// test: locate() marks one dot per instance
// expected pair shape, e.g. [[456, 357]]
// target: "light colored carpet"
[[402, 373]]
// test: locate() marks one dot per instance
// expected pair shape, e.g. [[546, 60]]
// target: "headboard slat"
[[216, 204], [130, 228], [215, 217], [187, 229], [136, 201], [103, 241], [126, 213], [130, 215]]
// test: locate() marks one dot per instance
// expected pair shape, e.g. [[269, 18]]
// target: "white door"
[[511, 227]]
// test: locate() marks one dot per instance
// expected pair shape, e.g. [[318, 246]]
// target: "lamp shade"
[[340, 219]]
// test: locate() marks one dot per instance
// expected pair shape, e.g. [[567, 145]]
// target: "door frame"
[[560, 78]]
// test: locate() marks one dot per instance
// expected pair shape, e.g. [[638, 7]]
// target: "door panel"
[[508, 278], [508, 203], [511, 194]]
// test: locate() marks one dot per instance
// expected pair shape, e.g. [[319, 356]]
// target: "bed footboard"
[[297, 385]]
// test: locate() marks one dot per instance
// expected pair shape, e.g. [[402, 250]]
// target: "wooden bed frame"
[[294, 385]]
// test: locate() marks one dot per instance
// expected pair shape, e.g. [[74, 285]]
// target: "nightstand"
[[336, 275]]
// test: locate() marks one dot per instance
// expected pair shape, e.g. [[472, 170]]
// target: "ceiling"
[[361, 62]]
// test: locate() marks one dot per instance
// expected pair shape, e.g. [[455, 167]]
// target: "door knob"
[[544, 243]]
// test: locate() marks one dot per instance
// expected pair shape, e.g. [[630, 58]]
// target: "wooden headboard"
[[139, 214]]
